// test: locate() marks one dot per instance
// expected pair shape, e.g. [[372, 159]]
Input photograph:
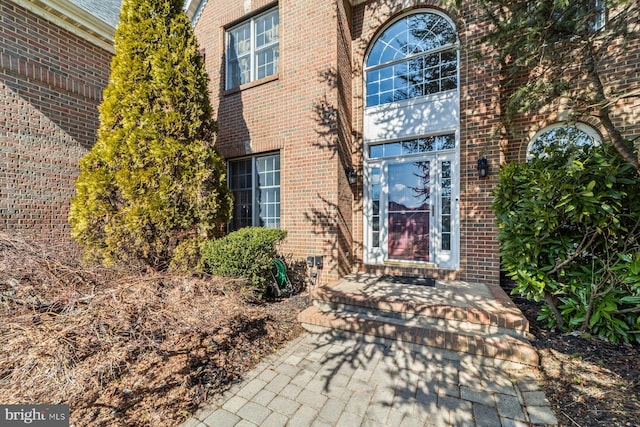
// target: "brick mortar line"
[[39, 73], [451, 312]]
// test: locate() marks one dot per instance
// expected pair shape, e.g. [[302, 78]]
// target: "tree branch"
[[616, 137], [580, 249]]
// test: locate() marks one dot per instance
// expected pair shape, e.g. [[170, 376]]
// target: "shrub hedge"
[[246, 253]]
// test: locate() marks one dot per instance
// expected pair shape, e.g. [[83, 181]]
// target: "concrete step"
[[497, 346]]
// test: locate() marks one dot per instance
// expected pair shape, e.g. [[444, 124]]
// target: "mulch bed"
[[588, 381], [126, 348]]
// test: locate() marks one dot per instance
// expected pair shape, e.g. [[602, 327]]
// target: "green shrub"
[[246, 253], [569, 232]]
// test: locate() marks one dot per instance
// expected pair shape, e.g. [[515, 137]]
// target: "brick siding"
[[313, 113], [299, 112], [51, 84]]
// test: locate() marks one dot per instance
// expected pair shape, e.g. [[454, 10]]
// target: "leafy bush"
[[246, 253], [569, 232]]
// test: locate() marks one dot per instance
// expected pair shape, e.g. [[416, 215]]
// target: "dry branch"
[[110, 342]]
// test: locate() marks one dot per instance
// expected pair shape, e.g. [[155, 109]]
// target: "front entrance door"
[[412, 210], [408, 211], [411, 135]]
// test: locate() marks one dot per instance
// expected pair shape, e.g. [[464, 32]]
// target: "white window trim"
[[438, 258], [366, 69], [252, 50], [441, 104], [591, 132]]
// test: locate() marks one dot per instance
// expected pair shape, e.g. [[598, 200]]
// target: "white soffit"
[[73, 18], [193, 9]]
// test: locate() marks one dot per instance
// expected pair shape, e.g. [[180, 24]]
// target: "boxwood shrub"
[[247, 253]]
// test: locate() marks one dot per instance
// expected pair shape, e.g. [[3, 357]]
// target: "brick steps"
[[445, 324], [461, 329], [509, 320]]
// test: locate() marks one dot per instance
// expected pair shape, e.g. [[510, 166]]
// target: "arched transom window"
[[559, 136], [413, 57], [411, 134]]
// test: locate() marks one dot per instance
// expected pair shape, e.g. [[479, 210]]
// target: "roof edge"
[[73, 18], [193, 9]]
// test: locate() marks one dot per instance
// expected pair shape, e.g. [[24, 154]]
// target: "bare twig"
[[571, 419]]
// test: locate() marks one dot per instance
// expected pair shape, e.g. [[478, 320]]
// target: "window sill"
[[252, 84]]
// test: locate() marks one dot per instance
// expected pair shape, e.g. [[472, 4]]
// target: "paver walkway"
[[332, 379]]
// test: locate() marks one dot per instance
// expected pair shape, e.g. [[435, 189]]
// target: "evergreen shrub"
[[246, 253], [153, 178], [569, 232]]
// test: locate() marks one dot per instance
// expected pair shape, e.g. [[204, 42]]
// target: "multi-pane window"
[[599, 17], [577, 18], [252, 49], [412, 146], [445, 205], [255, 183], [375, 207], [268, 191], [416, 56], [559, 137]]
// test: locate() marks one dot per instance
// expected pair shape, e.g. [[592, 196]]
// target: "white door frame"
[[439, 258]]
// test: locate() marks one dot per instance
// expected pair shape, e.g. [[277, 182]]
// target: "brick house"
[[54, 64], [365, 183], [358, 126]]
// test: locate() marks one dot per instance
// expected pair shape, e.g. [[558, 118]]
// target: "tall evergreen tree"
[[153, 180]]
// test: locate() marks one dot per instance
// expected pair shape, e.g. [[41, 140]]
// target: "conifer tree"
[[153, 180], [555, 51]]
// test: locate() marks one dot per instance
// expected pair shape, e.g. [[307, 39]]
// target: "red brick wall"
[[347, 147], [479, 137], [51, 84], [312, 112], [295, 112]]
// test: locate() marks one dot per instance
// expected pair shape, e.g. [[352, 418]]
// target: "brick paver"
[[336, 380]]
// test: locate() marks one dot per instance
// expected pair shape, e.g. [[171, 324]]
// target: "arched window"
[[411, 214], [559, 136], [415, 56]]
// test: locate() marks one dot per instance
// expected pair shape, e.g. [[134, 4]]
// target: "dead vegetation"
[[125, 347], [589, 382], [134, 348]]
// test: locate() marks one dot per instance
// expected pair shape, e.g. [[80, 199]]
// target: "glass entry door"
[[411, 213], [408, 211]]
